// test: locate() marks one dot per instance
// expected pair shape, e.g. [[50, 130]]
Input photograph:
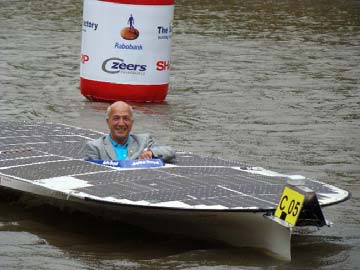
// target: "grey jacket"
[[102, 149]]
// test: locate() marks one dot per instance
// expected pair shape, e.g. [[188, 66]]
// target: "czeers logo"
[[130, 32], [115, 65]]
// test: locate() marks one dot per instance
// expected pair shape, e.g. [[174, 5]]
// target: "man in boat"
[[120, 144]]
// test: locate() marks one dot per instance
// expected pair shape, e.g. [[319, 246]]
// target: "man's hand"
[[146, 154]]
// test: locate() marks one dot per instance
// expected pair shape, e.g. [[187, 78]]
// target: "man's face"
[[120, 122]]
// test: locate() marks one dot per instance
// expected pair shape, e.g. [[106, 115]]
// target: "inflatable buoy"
[[125, 50]]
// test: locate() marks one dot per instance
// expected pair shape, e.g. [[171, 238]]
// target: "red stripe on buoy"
[[143, 2], [109, 92]]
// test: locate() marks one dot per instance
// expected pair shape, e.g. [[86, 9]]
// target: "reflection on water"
[[271, 83], [61, 239]]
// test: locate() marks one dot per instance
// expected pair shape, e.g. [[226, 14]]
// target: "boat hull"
[[196, 196]]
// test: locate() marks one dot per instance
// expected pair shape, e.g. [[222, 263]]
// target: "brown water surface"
[[271, 83]]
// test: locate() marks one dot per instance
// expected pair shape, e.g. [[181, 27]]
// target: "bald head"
[[120, 105]]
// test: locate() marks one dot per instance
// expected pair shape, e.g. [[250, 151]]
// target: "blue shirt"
[[121, 150]]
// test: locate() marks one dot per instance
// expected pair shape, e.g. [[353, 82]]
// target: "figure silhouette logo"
[[130, 32]]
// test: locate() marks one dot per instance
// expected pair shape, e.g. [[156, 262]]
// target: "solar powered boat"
[[197, 196]]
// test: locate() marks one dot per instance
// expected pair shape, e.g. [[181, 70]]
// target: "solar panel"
[[47, 154]]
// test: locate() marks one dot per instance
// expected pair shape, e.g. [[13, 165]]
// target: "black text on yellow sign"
[[289, 206]]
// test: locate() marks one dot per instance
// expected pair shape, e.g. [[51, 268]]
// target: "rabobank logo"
[[130, 32], [128, 46], [116, 65]]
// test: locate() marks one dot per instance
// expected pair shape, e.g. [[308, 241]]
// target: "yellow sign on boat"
[[289, 206]]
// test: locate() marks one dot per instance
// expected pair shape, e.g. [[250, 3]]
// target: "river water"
[[271, 83]]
